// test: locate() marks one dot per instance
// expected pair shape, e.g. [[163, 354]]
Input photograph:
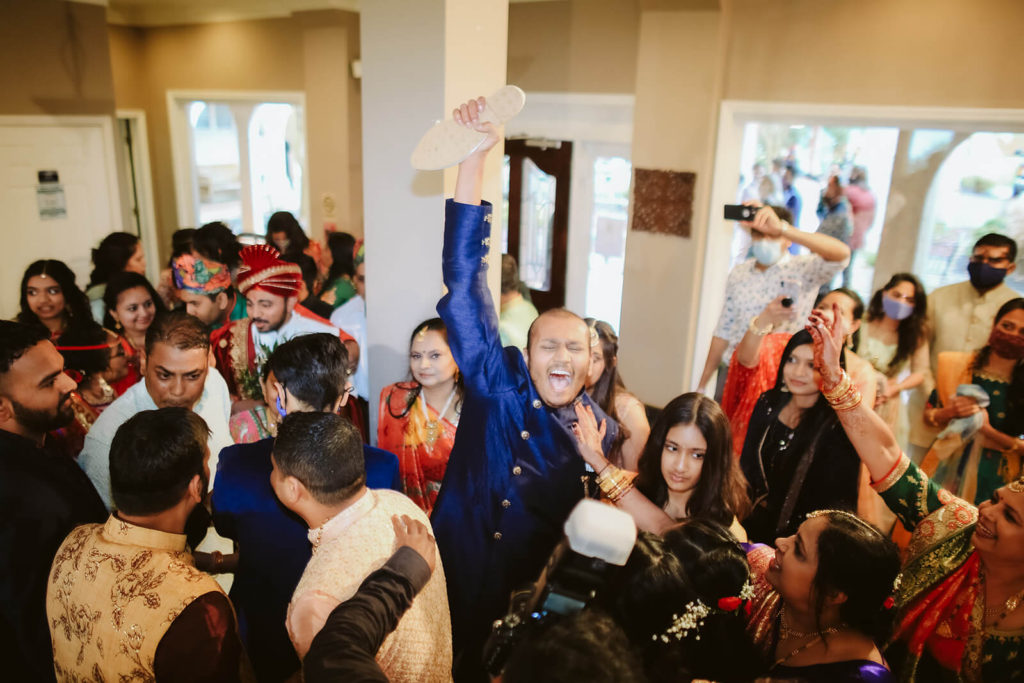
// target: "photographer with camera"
[[772, 272]]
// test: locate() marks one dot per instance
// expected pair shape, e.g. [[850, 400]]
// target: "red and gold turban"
[[263, 269]]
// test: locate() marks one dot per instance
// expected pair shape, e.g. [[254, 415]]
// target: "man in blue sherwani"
[[515, 472]]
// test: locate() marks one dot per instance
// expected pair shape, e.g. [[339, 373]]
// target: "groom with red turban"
[[271, 288]]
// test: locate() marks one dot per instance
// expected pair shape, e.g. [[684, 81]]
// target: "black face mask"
[[984, 276]]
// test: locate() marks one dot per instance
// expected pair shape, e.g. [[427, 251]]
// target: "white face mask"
[[767, 252]]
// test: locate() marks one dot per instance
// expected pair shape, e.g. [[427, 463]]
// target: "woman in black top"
[[796, 456]]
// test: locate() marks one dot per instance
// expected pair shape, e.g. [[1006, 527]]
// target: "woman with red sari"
[[417, 419], [959, 604]]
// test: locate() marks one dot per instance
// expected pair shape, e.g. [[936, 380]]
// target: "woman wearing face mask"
[[417, 419], [992, 457], [959, 604], [895, 342]]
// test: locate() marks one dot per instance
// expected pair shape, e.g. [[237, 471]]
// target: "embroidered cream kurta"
[[113, 592], [352, 544]]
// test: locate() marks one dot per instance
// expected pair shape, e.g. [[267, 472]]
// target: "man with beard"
[[43, 495], [271, 287], [176, 375], [514, 473], [125, 600]]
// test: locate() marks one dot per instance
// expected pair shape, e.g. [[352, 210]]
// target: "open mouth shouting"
[[560, 379]]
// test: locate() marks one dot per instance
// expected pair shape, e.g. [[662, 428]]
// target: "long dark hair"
[[414, 387], [75, 300], [610, 383], [111, 256], [1015, 399], [342, 246], [120, 283], [817, 420], [911, 330], [282, 221], [856, 559], [721, 493]]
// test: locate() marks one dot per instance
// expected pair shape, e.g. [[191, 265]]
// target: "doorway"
[[136, 184], [539, 177]]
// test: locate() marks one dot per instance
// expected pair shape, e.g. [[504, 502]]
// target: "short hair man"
[[960, 318], [144, 611], [318, 473], [514, 473], [517, 314], [176, 375], [271, 287], [751, 285], [43, 494], [309, 375], [204, 286]]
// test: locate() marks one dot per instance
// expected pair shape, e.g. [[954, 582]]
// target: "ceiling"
[[171, 12]]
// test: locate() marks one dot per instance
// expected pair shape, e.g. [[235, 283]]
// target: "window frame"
[[183, 160]]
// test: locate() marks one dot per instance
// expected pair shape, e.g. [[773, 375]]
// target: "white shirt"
[[351, 317], [296, 326], [214, 407], [748, 290]]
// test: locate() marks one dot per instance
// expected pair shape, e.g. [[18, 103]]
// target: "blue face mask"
[[897, 310], [984, 276], [767, 252], [280, 408]]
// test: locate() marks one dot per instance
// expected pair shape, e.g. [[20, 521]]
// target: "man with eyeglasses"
[[960, 317], [310, 374]]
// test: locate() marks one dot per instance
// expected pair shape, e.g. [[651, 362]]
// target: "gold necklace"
[[813, 641], [785, 631], [1008, 607]]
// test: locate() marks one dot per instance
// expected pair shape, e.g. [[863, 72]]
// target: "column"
[[678, 87], [420, 59]]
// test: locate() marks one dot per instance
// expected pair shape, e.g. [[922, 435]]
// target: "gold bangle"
[[759, 332], [841, 387]]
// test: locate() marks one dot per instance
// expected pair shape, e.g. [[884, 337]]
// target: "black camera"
[[598, 540]]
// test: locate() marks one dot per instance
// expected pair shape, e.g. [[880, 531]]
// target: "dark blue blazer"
[[514, 473], [273, 547]]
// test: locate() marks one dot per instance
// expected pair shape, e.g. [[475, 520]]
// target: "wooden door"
[[538, 216]]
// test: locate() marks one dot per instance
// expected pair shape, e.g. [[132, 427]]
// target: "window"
[[238, 160], [978, 189], [608, 239]]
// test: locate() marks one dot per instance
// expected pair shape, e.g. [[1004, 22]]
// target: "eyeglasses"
[[991, 260]]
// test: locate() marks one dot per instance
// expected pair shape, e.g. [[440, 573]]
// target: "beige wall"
[[54, 59], [895, 52], [573, 45], [310, 49]]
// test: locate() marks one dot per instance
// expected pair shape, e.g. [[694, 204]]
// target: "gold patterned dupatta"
[[939, 619]]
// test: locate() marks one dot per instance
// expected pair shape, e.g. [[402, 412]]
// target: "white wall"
[[81, 150]]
